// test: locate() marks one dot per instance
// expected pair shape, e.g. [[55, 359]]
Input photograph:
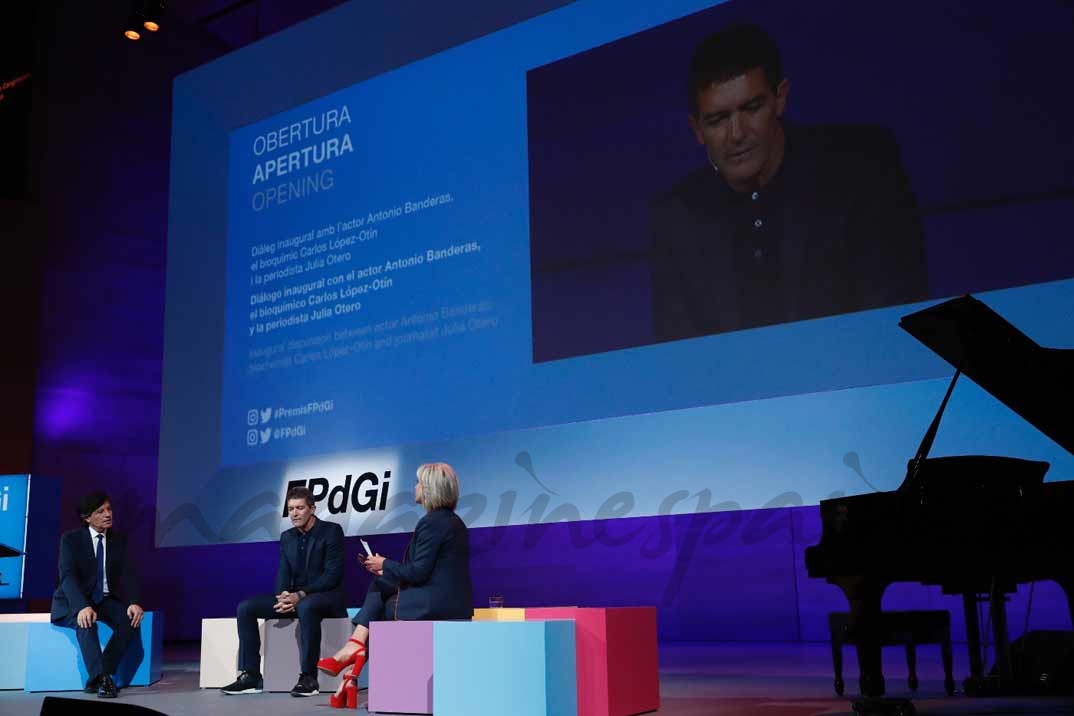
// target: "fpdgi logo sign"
[[368, 493]]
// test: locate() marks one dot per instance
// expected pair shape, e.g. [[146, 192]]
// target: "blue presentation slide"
[[355, 251]]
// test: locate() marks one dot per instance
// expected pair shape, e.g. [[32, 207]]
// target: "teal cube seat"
[[491, 668], [54, 662]]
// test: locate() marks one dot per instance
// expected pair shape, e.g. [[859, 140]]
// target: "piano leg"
[[973, 637], [863, 628], [979, 684], [998, 601]]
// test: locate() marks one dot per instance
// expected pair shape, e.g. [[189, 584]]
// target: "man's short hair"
[[730, 53], [300, 492], [89, 503]]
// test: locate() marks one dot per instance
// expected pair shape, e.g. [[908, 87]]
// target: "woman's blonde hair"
[[439, 486]]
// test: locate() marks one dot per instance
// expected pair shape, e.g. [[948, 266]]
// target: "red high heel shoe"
[[352, 684], [330, 666], [351, 691], [348, 698]]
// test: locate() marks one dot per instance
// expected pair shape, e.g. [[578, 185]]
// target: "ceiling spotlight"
[[145, 16], [154, 13], [133, 30]]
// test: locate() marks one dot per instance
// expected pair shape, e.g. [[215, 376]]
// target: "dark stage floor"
[[696, 679]]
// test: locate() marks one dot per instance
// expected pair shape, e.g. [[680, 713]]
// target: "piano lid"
[[1037, 383]]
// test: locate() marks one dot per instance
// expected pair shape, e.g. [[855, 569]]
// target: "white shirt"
[[104, 548]]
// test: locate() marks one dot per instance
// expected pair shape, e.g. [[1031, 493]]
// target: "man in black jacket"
[[97, 583], [783, 222], [309, 585]]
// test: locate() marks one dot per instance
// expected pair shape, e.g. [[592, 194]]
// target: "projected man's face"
[[300, 513], [101, 518], [738, 121]]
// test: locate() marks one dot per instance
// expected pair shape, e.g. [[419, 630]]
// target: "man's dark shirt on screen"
[[835, 230]]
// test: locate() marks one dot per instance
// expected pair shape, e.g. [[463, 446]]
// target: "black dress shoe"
[[93, 684], [249, 682], [307, 686], [107, 689]]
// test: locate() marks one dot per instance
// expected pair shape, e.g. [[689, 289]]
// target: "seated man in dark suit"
[[97, 583], [783, 222], [309, 585]]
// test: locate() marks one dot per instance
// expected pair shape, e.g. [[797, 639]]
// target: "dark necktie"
[[98, 589]]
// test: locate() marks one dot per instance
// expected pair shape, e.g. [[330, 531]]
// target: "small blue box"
[[493, 668], [13, 640], [54, 661]]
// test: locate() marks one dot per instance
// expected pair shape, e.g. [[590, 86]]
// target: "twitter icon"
[[266, 415], [266, 435]]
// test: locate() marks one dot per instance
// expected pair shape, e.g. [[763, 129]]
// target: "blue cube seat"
[[54, 661], [493, 668]]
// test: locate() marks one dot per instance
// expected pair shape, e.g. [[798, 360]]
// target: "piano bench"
[[898, 629]]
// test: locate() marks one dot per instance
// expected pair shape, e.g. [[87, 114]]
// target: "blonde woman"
[[431, 582]]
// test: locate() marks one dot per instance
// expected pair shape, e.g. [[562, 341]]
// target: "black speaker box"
[[1043, 662], [57, 706]]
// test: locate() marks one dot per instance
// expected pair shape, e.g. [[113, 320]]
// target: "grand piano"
[[976, 525]]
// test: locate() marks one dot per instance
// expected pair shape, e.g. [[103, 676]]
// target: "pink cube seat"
[[616, 657]]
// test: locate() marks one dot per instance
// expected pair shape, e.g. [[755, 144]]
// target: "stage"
[[696, 679]]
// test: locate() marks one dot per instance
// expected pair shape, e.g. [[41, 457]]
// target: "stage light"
[[145, 16], [134, 21], [154, 14]]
